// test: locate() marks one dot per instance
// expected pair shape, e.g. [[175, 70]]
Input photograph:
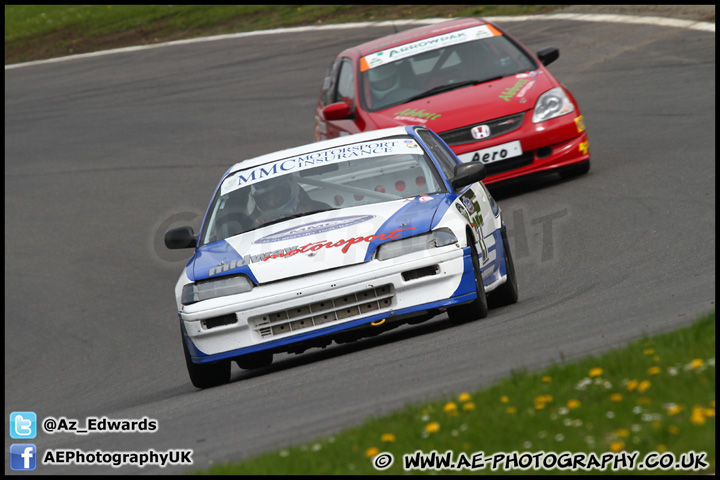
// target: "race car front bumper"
[[277, 315]]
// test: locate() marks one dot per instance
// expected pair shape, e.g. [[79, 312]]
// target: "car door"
[[474, 200]]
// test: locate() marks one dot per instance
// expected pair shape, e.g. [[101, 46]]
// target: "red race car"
[[487, 96]]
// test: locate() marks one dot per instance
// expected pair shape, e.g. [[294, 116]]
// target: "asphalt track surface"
[[104, 154]]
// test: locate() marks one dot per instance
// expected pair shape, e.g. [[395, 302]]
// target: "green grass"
[[35, 32], [655, 395]]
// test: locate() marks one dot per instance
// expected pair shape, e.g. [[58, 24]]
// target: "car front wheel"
[[478, 308], [206, 375], [507, 293]]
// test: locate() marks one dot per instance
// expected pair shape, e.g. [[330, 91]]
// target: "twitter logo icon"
[[23, 425]]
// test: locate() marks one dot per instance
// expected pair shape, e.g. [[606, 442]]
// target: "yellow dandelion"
[[673, 429], [622, 432], [615, 397], [656, 423], [656, 358], [546, 379], [643, 386], [511, 410], [632, 385], [696, 363], [432, 427], [464, 397], [697, 417], [542, 400], [654, 370], [468, 406], [661, 448], [712, 403], [674, 409], [595, 372], [387, 437], [649, 351], [371, 452], [644, 401], [572, 404], [709, 412], [450, 407], [504, 399], [617, 446]]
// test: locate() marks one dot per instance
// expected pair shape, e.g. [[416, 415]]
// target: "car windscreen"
[[343, 177], [466, 57]]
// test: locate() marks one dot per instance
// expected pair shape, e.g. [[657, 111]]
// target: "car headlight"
[[217, 287], [551, 104], [437, 238]]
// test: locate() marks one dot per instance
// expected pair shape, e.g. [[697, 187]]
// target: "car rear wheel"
[[478, 308], [507, 293], [206, 375]]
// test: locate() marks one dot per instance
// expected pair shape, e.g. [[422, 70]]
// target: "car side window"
[[328, 88], [346, 84], [447, 164]]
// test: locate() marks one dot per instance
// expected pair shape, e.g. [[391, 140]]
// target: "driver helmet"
[[276, 196], [384, 79]]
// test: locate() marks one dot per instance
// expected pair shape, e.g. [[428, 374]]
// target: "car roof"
[[416, 34], [316, 146]]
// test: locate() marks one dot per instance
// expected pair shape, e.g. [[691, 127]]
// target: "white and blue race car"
[[334, 241]]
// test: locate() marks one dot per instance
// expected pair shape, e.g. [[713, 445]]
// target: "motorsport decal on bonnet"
[[317, 245], [346, 244], [414, 114]]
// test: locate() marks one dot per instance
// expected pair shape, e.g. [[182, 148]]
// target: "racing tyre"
[[208, 375], [255, 360], [478, 308], [507, 293], [575, 170]]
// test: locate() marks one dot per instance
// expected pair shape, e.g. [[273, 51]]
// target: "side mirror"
[[337, 111], [548, 55], [467, 174], [182, 237]]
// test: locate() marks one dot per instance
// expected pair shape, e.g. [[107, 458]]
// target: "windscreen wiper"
[[451, 86]]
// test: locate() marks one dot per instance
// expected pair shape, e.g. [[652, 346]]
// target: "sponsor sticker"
[[314, 228], [426, 45], [310, 160], [413, 114], [493, 154], [509, 93], [584, 146]]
